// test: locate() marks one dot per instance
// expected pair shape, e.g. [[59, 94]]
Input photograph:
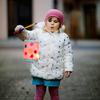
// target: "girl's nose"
[[52, 22]]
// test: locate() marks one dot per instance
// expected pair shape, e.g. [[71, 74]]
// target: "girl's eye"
[[56, 21], [49, 20]]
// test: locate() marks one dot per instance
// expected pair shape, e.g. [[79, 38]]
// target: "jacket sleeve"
[[29, 35], [67, 54], [24, 34]]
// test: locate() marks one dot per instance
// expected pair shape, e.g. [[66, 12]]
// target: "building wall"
[[40, 7], [3, 19], [81, 20], [98, 17]]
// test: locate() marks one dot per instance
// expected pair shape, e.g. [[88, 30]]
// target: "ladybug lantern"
[[31, 51]]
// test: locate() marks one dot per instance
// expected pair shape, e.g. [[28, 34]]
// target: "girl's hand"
[[19, 29], [67, 74]]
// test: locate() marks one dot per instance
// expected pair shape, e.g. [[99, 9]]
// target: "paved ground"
[[84, 84]]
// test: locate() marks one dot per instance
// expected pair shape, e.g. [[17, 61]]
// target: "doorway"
[[19, 13], [90, 21]]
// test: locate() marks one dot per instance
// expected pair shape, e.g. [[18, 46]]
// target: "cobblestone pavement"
[[84, 84]]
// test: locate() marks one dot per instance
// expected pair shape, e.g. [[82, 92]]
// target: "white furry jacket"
[[55, 54]]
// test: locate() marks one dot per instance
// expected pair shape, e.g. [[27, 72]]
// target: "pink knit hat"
[[55, 13]]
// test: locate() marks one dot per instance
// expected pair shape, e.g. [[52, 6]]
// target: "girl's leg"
[[40, 92], [54, 94]]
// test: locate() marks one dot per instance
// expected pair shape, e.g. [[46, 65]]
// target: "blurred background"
[[82, 17], [82, 20]]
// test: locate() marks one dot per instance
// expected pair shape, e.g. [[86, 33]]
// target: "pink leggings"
[[41, 90]]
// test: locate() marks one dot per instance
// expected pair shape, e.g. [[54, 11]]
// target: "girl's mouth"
[[52, 27]]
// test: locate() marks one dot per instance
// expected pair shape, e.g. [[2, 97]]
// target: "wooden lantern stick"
[[30, 25]]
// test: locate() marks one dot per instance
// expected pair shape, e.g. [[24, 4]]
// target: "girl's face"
[[52, 24]]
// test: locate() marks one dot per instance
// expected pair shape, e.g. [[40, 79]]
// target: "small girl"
[[55, 61]]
